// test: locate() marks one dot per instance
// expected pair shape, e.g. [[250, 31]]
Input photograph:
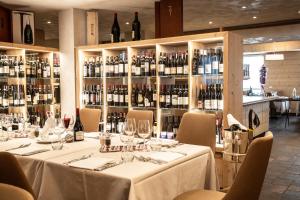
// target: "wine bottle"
[[136, 28], [201, 98], [28, 35], [115, 30], [78, 128]]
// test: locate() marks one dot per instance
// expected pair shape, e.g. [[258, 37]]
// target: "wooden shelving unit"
[[23, 50], [231, 78]]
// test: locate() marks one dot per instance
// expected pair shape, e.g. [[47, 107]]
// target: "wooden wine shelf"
[[13, 49], [231, 78]]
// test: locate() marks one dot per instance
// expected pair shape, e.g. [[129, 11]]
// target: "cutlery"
[[19, 147], [147, 159], [78, 159], [108, 165], [181, 153], [35, 152]]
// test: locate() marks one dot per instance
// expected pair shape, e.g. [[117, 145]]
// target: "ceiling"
[[198, 14]]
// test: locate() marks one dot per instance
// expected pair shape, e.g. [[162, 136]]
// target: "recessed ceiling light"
[[49, 22], [210, 22], [254, 17], [299, 12], [127, 23], [244, 7], [270, 39]]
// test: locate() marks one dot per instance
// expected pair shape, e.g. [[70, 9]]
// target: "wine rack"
[[29, 80], [170, 76]]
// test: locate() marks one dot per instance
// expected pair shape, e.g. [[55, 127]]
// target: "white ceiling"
[[197, 13]]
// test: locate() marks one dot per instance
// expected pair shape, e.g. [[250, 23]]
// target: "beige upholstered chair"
[[12, 174], [90, 119], [10, 192], [198, 129], [141, 114], [249, 180]]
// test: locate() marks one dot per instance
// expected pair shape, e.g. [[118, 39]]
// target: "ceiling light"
[[244, 7], [49, 22], [270, 39], [210, 22], [127, 23], [254, 17], [299, 12]]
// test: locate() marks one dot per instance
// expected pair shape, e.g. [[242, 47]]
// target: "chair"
[[249, 180], [10, 192], [198, 129], [11, 172], [141, 115], [90, 119]]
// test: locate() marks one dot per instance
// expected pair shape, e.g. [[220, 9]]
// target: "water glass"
[[57, 141], [127, 136], [144, 130]]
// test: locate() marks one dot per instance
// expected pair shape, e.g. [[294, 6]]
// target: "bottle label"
[[185, 69], [163, 135], [185, 101], [220, 104], [17, 69], [173, 70], [140, 99], [180, 101], [147, 102], [48, 71], [111, 69], [221, 68], [12, 72], [1, 70], [108, 127], [78, 136], [170, 135], [168, 99], [154, 96], [147, 67], [5, 102], [162, 68], [215, 65], [97, 70], [137, 71], [21, 68], [121, 69], [6, 69], [162, 98], [121, 98], [207, 104], [126, 98], [116, 69], [50, 96], [167, 70], [22, 102], [28, 99], [179, 70], [208, 69], [116, 98], [133, 69], [174, 100], [200, 70], [132, 34], [126, 68], [109, 97], [16, 102]]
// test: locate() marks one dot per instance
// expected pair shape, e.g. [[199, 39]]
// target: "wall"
[[283, 76]]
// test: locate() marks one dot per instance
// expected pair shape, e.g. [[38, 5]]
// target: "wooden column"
[[168, 18]]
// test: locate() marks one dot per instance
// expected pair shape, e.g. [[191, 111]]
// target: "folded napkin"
[[160, 157], [92, 163], [27, 151], [169, 143]]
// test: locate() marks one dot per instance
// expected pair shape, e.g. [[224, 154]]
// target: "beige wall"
[[283, 76]]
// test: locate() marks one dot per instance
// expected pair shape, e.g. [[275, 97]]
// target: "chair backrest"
[[10, 192], [141, 115], [198, 129], [249, 180], [90, 119], [11, 172]]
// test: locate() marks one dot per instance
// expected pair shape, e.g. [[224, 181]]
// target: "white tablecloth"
[[51, 180]]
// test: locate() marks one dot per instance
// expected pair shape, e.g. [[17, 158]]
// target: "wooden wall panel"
[[283, 76]]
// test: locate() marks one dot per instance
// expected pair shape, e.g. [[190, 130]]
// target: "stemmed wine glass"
[[128, 130], [144, 130], [68, 120], [58, 130]]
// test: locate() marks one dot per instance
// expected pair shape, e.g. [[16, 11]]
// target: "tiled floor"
[[282, 181]]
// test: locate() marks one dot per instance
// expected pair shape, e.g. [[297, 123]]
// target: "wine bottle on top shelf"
[[28, 34], [136, 28], [115, 30]]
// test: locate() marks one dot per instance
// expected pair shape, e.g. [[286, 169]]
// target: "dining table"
[[76, 171]]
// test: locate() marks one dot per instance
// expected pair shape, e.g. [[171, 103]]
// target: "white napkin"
[[168, 143], [13, 144], [164, 156], [91, 163], [27, 151], [231, 121]]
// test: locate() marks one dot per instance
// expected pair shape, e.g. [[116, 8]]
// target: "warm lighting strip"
[[275, 56]]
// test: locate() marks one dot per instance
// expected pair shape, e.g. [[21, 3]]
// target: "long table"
[[52, 180]]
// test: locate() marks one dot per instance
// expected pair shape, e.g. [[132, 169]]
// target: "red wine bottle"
[[136, 28], [115, 30], [28, 35], [78, 128]]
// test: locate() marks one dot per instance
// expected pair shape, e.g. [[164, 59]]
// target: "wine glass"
[[68, 120], [57, 139], [144, 130], [127, 136]]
